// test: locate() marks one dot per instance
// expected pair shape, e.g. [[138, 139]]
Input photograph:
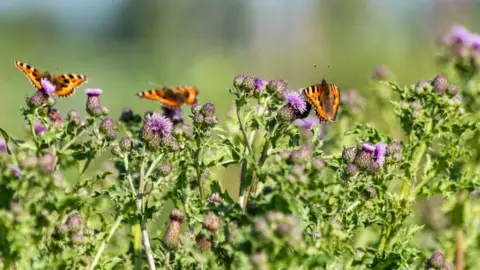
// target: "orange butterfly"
[[65, 84], [325, 98], [172, 97]]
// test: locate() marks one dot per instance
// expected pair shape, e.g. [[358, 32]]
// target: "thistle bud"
[[171, 238], [349, 153], [211, 222], [47, 163], [203, 243], [126, 144], [165, 169], [74, 223]]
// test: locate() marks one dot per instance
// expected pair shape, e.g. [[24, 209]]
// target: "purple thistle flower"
[[380, 151], [260, 84], [3, 146], [174, 114], [159, 124], [277, 86], [460, 35], [238, 80], [475, 42], [15, 171], [307, 124], [47, 163], [368, 147], [47, 86], [39, 128], [296, 101], [93, 92]]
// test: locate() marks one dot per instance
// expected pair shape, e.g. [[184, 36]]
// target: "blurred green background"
[[126, 46]]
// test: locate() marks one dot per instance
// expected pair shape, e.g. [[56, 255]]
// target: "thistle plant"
[[310, 195]]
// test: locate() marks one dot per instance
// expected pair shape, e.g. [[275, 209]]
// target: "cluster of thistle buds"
[[204, 116], [277, 224], [252, 85], [73, 229], [438, 85], [370, 158], [462, 45], [437, 262], [302, 162]]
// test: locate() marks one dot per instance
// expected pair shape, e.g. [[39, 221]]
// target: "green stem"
[[105, 241], [152, 166], [198, 169], [72, 141], [129, 175]]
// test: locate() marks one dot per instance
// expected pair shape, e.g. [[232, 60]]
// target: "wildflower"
[[211, 222], [436, 260], [363, 159], [74, 223], [351, 169], [165, 169], [238, 81], [93, 101], [208, 110], [381, 73], [171, 238], [276, 86], [307, 124], [127, 115], [380, 151], [260, 84], [318, 164], [296, 101], [195, 108], [349, 153], [475, 42], [452, 90], [159, 124], [183, 129], [421, 86], [74, 117], [248, 84], [3, 146], [174, 114], [77, 237], [215, 199], [39, 128], [107, 128], [126, 144], [287, 113], [15, 171], [47, 162], [440, 84], [460, 35], [203, 243], [47, 86]]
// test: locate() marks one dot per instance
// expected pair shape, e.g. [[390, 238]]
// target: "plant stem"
[[105, 241], [72, 141], [198, 170], [459, 256]]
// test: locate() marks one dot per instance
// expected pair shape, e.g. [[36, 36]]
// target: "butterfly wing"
[[166, 96], [33, 74], [67, 84], [325, 98], [190, 94]]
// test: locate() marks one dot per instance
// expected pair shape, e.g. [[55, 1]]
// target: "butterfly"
[[325, 98], [65, 84], [172, 96]]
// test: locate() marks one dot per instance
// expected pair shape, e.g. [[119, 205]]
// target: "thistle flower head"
[[93, 92], [436, 260], [380, 151], [126, 144], [39, 128], [287, 113], [351, 169], [37, 99], [215, 199], [47, 163], [211, 222], [203, 243], [459, 35], [3, 145], [74, 223], [47, 86], [475, 42], [349, 153], [93, 105], [440, 84], [176, 215], [276, 86], [260, 84], [238, 81], [452, 90], [381, 73], [165, 168], [208, 110], [296, 101]]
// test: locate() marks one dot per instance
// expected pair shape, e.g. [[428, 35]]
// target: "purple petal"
[[3, 145], [475, 42], [159, 123], [39, 128], [460, 34], [93, 91], [15, 171], [307, 123], [296, 101], [368, 147], [260, 84], [48, 86], [380, 150]]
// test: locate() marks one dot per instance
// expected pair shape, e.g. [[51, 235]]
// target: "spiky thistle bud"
[[211, 222], [171, 238], [74, 223]]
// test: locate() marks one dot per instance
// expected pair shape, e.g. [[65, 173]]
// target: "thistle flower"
[[203, 243], [47, 163], [29, 161], [440, 84], [363, 159], [349, 153], [380, 151], [171, 238], [371, 192], [198, 118], [208, 110], [260, 84], [351, 169], [174, 114], [368, 147], [238, 81], [159, 125], [15, 171], [74, 117], [286, 114], [394, 147], [195, 108], [452, 90], [93, 106], [215, 199], [165, 169], [74, 223], [211, 222], [126, 144], [126, 115], [276, 86], [107, 128], [37, 99], [77, 237], [296, 101], [436, 260], [421, 86], [3, 146], [459, 35], [248, 84], [39, 128], [47, 86], [381, 73]]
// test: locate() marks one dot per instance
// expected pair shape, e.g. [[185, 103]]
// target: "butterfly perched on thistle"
[[64, 84], [325, 98], [172, 97]]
